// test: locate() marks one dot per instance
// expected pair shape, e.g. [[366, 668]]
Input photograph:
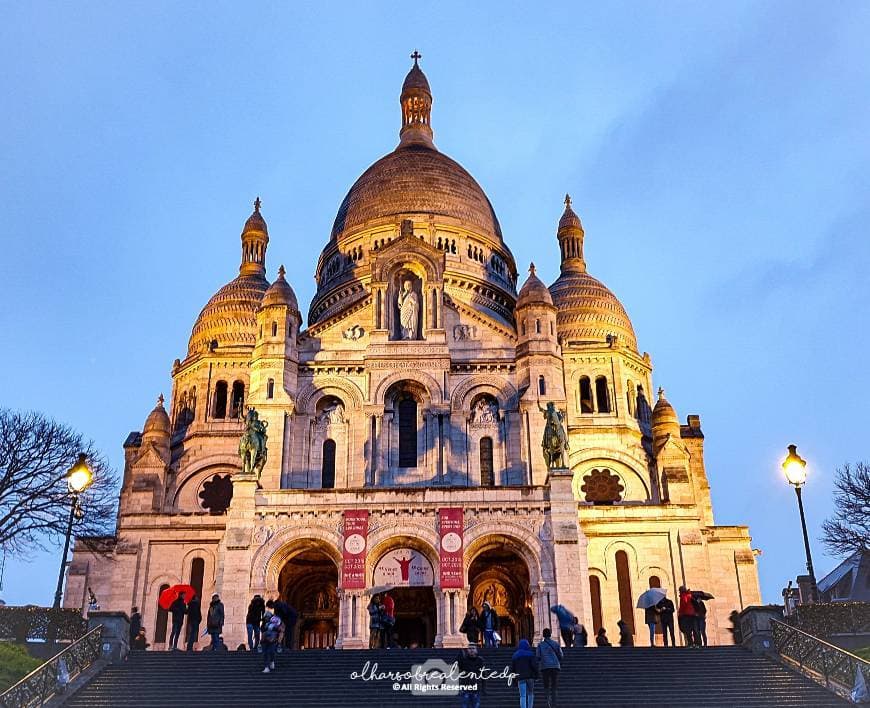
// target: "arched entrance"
[[308, 582], [409, 578], [499, 575]]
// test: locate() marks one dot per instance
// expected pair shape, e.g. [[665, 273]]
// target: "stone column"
[[454, 602], [569, 548], [235, 556], [349, 635]]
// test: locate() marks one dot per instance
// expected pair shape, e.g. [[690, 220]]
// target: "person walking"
[[566, 623], [625, 637], [666, 611], [581, 638], [469, 626], [214, 621], [601, 639], [550, 656], [470, 663], [701, 621], [178, 609], [524, 663], [488, 621], [651, 618], [253, 620], [135, 624], [271, 633], [375, 609], [194, 618], [140, 642], [687, 618]]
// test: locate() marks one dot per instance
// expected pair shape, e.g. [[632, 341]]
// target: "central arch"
[[308, 582]]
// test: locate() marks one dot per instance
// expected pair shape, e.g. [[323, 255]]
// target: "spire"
[[255, 238], [160, 400], [570, 234], [416, 102]]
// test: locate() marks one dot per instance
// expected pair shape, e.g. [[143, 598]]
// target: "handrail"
[[42, 683], [825, 663]]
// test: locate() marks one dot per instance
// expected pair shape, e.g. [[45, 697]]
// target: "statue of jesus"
[[409, 310]]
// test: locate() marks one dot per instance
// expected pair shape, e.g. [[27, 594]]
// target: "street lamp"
[[78, 478], [795, 468]]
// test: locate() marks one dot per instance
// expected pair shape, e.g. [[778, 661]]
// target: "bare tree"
[[35, 454], [848, 530]]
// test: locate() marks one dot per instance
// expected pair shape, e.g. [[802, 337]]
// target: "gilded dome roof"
[[534, 292], [230, 316], [416, 79], [664, 414], [157, 421], [280, 293], [588, 311], [416, 179]]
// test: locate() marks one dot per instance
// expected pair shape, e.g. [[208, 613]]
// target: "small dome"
[[664, 414], [416, 79], [588, 311], [230, 316], [255, 221], [534, 292], [280, 293], [157, 422]]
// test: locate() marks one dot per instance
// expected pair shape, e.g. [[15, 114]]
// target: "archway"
[[499, 575], [409, 577], [308, 582]]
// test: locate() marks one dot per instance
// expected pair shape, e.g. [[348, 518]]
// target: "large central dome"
[[416, 179]]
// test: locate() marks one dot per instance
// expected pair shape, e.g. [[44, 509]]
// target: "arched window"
[[552, 328], [623, 583], [220, 400], [270, 388], [542, 386], [629, 396], [601, 395], [523, 327], [197, 574], [595, 596], [537, 326], [274, 329], [238, 399], [487, 476], [327, 468], [407, 431], [162, 617], [585, 395]]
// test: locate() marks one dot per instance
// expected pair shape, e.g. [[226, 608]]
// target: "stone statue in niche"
[[485, 411], [408, 307], [333, 413]]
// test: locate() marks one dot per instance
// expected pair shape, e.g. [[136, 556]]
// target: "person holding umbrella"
[[375, 609], [698, 597], [172, 600], [648, 602], [687, 617]]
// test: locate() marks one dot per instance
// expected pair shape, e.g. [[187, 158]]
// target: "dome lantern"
[[255, 239], [416, 102], [570, 234]]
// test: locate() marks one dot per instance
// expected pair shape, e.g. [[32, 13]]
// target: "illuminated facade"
[[416, 388]]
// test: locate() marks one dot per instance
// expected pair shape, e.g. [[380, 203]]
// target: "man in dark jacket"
[[177, 609], [135, 624], [550, 656], [214, 621], [625, 638], [194, 617], [489, 625], [524, 664], [666, 616], [253, 620], [469, 626], [470, 662]]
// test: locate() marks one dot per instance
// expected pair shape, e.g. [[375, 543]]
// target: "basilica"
[[402, 428]]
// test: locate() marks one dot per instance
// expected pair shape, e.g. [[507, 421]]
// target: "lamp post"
[[795, 468], [78, 478]]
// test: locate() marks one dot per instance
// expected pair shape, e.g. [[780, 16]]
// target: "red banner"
[[353, 552], [450, 548]]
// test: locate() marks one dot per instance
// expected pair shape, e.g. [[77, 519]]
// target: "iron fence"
[[52, 678], [831, 666]]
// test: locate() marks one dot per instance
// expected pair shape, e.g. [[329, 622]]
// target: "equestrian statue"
[[555, 442], [252, 446]]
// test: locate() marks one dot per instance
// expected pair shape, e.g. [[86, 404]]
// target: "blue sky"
[[717, 153]]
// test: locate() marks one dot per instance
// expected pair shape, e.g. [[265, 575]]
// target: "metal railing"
[[833, 667], [52, 678]]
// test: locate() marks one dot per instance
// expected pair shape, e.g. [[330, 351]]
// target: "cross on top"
[[415, 56], [257, 203], [567, 201]]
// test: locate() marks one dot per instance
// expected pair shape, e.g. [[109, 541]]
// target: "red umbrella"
[[170, 595]]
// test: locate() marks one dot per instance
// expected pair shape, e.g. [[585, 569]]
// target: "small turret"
[[416, 101], [570, 234], [664, 421], [255, 239], [158, 429]]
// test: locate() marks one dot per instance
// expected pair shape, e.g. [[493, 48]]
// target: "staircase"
[[716, 676]]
